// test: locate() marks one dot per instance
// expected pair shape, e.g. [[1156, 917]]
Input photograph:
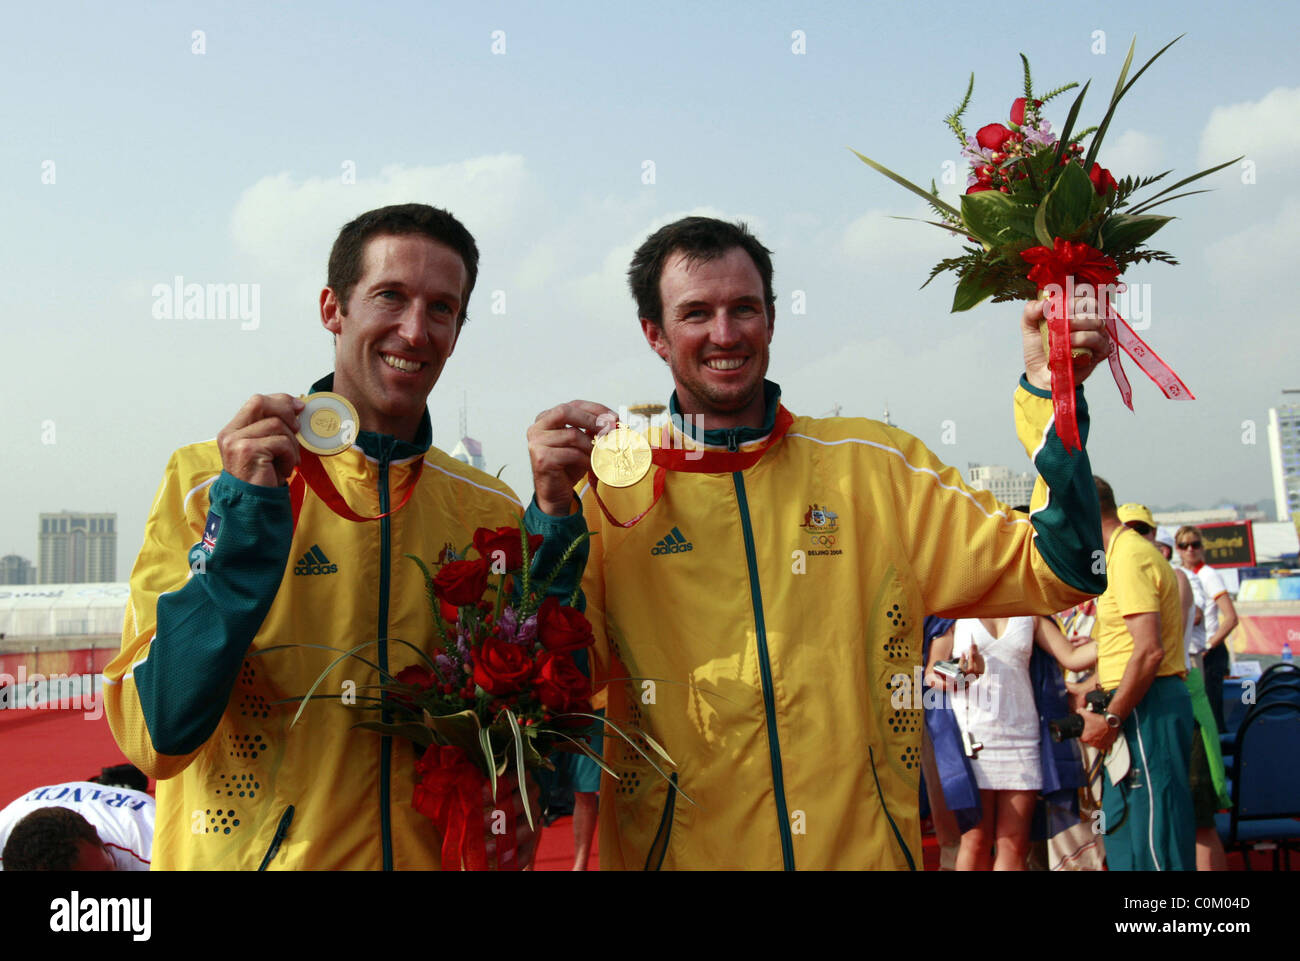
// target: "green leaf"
[[485, 744], [334, 663], [1150, 205], [1070, 117], [971, 290], [457, 730], [1184, 182], [1122, 88], [934, 223], [1040, 226], [410, 730], [1067, 204], [985, 214], [1125, 231], [904, 182], [519, 765], [586, 749], [953, 120], [636, 747]]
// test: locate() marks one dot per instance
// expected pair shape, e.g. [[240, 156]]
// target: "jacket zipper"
[[665, 827], [281, 830], [911, 865], [386, 742], [765, 670]]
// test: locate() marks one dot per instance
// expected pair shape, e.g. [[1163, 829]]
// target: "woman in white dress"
[[998, 710]]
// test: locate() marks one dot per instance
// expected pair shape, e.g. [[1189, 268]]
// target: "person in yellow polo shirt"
[[1148, 817]]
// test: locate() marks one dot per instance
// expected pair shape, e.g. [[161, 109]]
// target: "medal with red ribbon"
[[696, 461], [1061, 271]]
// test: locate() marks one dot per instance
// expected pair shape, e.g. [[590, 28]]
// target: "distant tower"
[[888, 422], [467, 450], [648, 411], [1284, 455]]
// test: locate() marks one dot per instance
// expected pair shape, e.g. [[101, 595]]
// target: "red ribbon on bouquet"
[[1060, 271], [450, 794]]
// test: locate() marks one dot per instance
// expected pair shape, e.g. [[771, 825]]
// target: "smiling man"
[[243, 554], [768, 651]]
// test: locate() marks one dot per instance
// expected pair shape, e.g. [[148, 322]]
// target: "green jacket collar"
[[733, 436], [386, 446]]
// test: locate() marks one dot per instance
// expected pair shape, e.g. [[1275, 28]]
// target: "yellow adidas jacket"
[[223, 576], [770, 620]]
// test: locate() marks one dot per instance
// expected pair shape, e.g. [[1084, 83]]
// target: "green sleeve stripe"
[[1068, 525], [204, 629]]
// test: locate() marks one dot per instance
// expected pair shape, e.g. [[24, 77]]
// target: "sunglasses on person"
[[1141, 528], [1190, 545]]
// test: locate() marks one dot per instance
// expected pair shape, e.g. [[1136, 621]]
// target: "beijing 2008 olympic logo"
[[821, 523]]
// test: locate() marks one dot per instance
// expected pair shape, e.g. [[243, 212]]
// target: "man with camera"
[[1146, 804]]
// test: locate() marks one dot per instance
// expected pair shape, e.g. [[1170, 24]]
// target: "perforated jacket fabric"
[[770, 620], [192, 695]]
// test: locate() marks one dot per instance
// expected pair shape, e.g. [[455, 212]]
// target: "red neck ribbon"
[[1063, 268], [312, 473], [450, 794], [696, 461]]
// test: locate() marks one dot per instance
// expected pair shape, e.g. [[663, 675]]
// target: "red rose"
[[1018, 110], [461, 582], [1101, 179], [992, 137], [506, 540], [560, 685], [502, 668], [976, 188], [418, 676], [562, 629]]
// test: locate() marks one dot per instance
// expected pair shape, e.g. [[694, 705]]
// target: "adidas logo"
[[674, 543], [315, 562]]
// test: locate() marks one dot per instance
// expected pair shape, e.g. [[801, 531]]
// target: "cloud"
[[290, 224], [1264, 130], [879, 235], [1133, 154], [1261, 257]]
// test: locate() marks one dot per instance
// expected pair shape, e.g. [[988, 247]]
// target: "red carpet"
[[48, 747]]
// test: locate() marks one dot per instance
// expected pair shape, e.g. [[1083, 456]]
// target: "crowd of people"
[[781, 642]]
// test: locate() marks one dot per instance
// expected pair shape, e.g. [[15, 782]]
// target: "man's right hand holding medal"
[[259, 446], [559, 446]]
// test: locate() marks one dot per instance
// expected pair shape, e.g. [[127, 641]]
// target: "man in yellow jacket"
[[763, 620], [240, 573]]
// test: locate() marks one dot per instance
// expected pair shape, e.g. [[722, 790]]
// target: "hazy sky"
[[136, 151]]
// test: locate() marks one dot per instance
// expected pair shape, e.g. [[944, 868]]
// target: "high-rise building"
[[1009, 488], [469, 451], [16, 570], [1284, 452], [78, 548]]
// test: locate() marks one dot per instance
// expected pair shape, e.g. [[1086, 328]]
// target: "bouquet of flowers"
[[1043, 218], [501, 692]]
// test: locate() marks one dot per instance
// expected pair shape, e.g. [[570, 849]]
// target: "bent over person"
[[240, 568], [762, 620]]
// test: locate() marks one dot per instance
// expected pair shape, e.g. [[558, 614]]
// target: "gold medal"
[[621, 457], [328, 424]]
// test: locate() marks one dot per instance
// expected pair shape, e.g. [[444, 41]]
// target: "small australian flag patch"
[[210, 531]]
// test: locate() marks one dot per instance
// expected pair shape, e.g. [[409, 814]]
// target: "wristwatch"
[[1113, 721]]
